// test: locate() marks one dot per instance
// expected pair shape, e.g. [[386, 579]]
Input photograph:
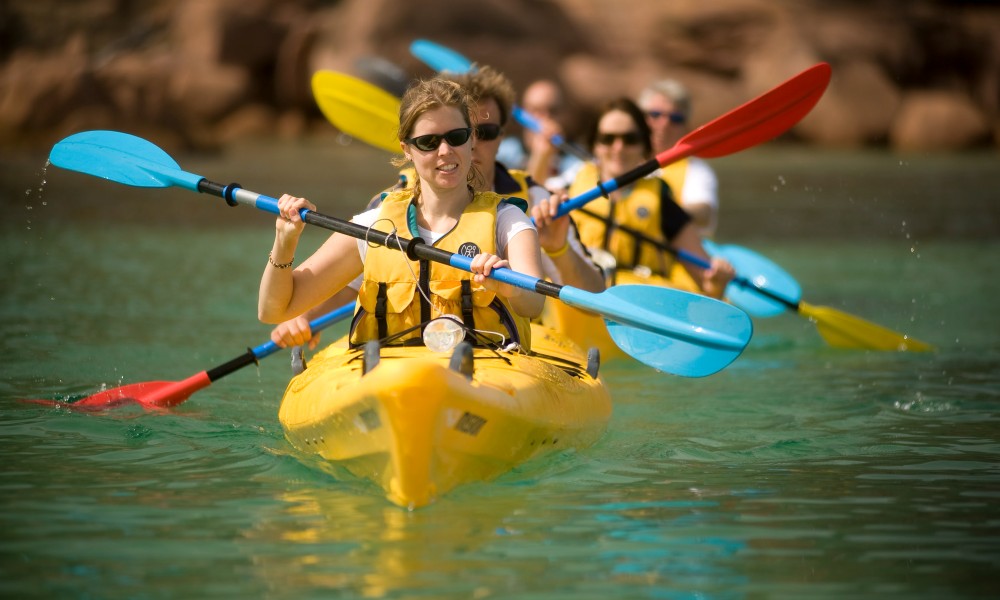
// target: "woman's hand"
[[552, 231], [289, 222], [294, 332], [716, 278], [482, 265]]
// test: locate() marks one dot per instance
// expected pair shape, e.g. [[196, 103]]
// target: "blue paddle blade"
[[755, 271], [122, 158], [670, 330], [440, 58]]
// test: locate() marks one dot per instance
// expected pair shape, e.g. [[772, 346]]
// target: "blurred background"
[[912, 76]]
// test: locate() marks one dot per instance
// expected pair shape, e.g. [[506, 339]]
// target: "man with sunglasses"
[[667, 105]]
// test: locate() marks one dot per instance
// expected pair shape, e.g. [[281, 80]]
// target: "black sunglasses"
[[631, 138], [431, 141], [675, 117], [488, 132]]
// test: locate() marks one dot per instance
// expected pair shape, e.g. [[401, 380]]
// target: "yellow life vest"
[[389, 301], [639, 210]]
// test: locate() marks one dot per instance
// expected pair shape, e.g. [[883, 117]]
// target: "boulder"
[[938, 121]]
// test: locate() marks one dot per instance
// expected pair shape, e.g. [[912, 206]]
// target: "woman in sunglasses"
[[667, 105], [620, 140], [565, 260], [397, 296]]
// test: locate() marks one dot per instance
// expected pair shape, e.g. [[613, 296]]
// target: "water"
[[799, 471]]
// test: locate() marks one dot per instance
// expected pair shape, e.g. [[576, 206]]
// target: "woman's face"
[[618, 144], [446, 166]]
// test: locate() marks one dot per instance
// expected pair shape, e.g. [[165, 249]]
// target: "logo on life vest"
[[469, 250], [643, 212]]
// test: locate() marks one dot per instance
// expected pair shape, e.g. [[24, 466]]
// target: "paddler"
[[397, 296], [565, 260], [620, 140]]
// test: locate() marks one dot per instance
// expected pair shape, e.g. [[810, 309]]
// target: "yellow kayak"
[[418, 426], [588, 330]]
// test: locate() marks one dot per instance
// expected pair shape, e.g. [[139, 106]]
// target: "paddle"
[[165, 394], [759, 120], [441, 58], [358, 108], [772, 291], [702, 337]]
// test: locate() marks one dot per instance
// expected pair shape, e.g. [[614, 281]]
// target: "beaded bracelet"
[[279, 266], [559, 252]]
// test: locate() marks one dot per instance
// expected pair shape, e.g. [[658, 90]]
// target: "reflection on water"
[[800, 470]]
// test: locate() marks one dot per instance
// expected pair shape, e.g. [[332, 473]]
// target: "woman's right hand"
[[289, 221]]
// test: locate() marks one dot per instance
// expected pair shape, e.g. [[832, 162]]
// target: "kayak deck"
[[418, 427]]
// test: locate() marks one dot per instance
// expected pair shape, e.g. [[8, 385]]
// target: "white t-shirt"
[[700, 184], [510, 222]]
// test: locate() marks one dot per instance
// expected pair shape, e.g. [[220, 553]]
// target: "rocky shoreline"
[[917, 76]]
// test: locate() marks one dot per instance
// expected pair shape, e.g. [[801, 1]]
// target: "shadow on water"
[[800, 470]]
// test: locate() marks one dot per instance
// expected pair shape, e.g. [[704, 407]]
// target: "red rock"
[[938, 121]]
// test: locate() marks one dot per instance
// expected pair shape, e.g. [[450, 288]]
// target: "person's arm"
[[296, 332], [285, 292], [541, 152], [700, 196], [523, 256], [683, 234], [713, 280], [562, 248]]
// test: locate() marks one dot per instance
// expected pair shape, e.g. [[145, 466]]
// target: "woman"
[[565, 260], [620, 140], [397, 295]]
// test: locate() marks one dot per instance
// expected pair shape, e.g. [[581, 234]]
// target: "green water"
[[799, 471]]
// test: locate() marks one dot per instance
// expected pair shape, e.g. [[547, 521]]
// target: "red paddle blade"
[[151, 395], [762, 119]]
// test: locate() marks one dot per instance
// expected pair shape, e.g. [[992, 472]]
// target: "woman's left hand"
[[717, 277]]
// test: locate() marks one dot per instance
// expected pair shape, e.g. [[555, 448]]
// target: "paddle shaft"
[[416, 249], [252, 355], [756, 121], [688, 257]]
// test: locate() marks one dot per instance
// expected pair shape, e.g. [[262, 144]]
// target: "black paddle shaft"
[[415, 249]]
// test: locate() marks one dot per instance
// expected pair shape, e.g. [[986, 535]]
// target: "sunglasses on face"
[[675, 117], [631, 138], [431, 141], [487, 132]]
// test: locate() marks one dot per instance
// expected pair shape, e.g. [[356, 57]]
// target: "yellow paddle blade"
[[842, 330], [358, 108]]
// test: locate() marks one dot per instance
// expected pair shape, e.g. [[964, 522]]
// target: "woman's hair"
[[638, 120], [430, 94], [485, 82]]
